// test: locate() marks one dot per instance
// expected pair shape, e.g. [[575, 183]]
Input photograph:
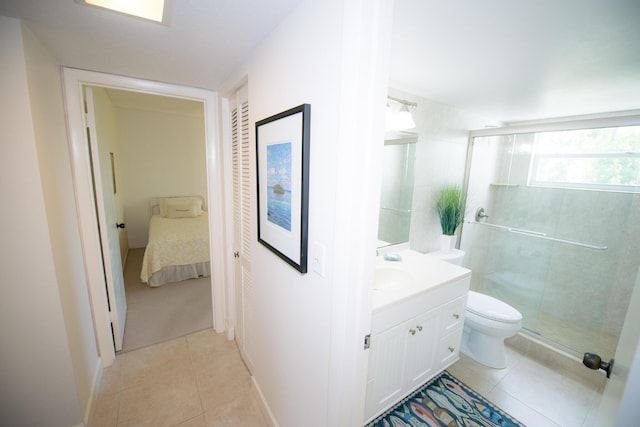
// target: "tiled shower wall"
[[572, 295]]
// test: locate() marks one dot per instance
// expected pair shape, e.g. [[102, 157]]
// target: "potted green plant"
[[449, 207]]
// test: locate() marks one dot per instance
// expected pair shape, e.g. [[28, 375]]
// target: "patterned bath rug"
[[445, 402]]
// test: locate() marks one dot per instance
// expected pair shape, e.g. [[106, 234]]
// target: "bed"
[[178, 247]]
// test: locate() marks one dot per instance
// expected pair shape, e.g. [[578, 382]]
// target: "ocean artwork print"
[[279, 184]]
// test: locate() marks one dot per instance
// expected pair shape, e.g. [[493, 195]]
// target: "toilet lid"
[[491, 308]]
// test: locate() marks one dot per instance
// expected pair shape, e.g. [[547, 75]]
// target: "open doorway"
[[103, 312], [152, 147]]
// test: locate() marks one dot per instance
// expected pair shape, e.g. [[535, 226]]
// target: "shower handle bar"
[[510, 229], [540, 235], [569, 242], [527, 232]]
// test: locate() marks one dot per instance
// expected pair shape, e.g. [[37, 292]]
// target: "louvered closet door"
[[242, 222]]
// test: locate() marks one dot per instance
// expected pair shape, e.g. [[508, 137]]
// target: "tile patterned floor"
[[200, 381], [194, 381], [538, 390]]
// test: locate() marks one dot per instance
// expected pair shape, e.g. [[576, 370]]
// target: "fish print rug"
[[445, 402]]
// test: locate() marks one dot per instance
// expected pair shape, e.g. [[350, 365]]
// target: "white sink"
[[389, 278], [411, 276]]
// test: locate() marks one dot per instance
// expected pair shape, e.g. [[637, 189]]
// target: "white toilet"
[[488, 322]]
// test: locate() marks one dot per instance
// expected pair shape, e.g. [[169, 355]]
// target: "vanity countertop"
[[425, 272]]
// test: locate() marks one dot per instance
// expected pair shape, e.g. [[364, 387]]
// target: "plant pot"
[[447, 243]]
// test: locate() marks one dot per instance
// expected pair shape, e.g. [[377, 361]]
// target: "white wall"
[[160, 154], [45, 90], [310, 328], [40, 385]]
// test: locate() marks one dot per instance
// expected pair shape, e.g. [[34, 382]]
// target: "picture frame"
[[113, 172], [282, 164]]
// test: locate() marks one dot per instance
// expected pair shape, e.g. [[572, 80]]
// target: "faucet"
[[480, 214]]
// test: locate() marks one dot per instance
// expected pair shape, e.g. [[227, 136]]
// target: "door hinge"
[[367, 341]]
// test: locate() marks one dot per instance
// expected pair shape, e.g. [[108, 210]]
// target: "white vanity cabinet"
[[451, 331], [414, 339]]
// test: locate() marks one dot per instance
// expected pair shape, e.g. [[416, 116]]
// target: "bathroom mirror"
[[396, 196]]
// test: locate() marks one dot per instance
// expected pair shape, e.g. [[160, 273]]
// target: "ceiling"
[[204, 42], [514, 60], [506, 60]]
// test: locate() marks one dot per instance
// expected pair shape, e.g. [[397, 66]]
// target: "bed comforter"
[[178, 249]]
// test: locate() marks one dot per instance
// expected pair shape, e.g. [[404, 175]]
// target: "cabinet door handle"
[[419, 328], [412, 331], [451, 349], [456, 315]]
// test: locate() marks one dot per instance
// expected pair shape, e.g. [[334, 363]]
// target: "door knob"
[[593, 361], [120, 224]]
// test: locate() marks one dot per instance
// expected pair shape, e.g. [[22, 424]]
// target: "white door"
[[103, 183], [242, 221]]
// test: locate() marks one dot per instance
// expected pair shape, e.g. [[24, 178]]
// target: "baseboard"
[[93, 394], [264, 407]]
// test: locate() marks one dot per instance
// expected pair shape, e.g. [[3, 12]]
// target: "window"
[[597, 159]]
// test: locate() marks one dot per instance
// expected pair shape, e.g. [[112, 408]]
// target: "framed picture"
[[113, 172], [282, 157]]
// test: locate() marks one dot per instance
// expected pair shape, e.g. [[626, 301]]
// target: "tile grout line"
[[502, 390], [193, 370]]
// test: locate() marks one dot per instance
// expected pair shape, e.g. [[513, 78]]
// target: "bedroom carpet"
[[163, 313]]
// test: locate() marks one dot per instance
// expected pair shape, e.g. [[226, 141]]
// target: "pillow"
[[181, 207]]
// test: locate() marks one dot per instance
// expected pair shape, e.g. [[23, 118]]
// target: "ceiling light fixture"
[[399, 120], [404, 119], [152, 10]]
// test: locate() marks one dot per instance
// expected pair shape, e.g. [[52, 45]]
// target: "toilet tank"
[[455, 256]]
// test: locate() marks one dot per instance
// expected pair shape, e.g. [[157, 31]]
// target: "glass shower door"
[[559, 243]]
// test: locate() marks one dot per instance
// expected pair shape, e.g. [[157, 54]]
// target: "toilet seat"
[[490, 308]]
